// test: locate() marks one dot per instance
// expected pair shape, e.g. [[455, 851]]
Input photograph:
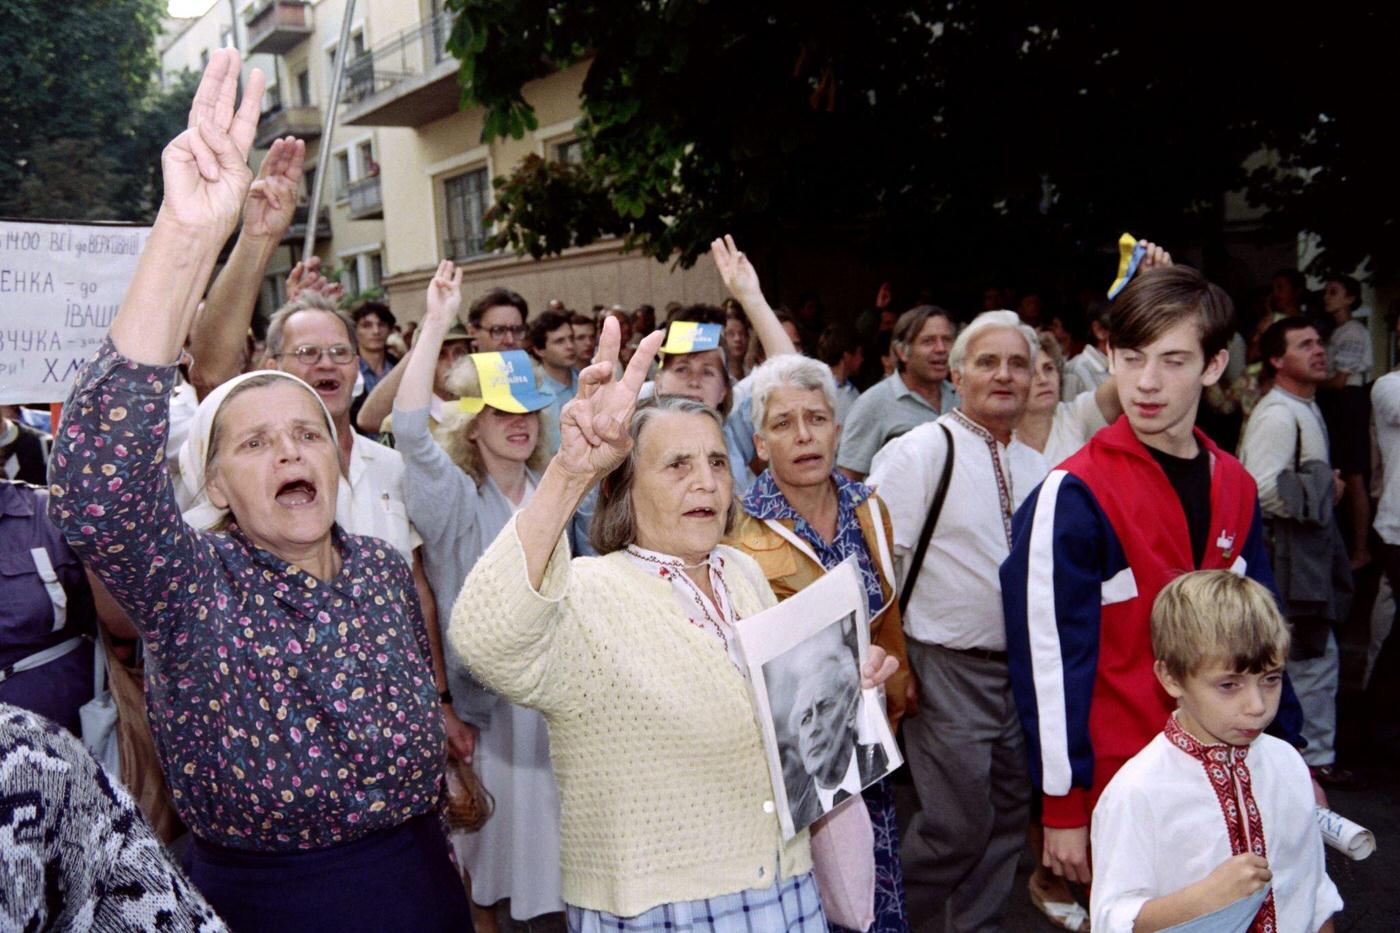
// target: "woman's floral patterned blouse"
[[289, 712]]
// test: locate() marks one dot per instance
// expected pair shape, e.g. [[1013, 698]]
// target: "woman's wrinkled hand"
[[878, 668], [205, 168]]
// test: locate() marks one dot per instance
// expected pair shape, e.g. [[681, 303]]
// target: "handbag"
[[140, 769], [843, 864], [916, 563]]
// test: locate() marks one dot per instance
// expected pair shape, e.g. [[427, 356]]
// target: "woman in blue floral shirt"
[[288, 674], [800, 519]]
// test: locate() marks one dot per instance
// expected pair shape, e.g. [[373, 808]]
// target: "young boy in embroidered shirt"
[[1212, 810]]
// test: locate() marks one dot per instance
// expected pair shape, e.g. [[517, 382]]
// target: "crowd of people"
[[346, 558]]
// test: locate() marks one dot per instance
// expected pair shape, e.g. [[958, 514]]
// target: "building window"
[[368, 166], [342, 175], [303, 82], [363, 271], [308, 177], [570, 152], [465, 199]]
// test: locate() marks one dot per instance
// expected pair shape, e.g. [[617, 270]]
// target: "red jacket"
[[1092, 548]]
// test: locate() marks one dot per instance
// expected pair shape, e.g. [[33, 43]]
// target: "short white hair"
[[790, 369], [985, 322]]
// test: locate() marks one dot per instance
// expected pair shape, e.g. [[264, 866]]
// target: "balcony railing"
[[275, 27], [366, 203], [297, 231], [408, 81], [278, 121], [463, 247]]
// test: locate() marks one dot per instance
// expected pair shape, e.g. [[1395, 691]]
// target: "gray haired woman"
[[668, 816]]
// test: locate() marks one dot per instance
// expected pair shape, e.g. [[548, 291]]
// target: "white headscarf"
[[194, 452]]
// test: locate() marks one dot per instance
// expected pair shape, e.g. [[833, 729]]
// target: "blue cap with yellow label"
[[507, 384], [691, 337]]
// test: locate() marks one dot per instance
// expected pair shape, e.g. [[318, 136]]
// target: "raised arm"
[[444, 297], [111, 491], [506, 622], [742, 281], [216, 341], [439, 496], [593, 439]]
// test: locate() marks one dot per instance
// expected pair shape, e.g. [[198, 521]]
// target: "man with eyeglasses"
[[496, 321]]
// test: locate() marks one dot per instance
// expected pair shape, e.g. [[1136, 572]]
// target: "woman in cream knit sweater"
[[667, 804]]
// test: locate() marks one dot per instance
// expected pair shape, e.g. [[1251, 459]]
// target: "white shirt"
[[1272, 436], [1385, 409], [370, 501], [850, 784], [957, 600], [184, 402], [1088, 370], [1158, 827], [1074, 423]]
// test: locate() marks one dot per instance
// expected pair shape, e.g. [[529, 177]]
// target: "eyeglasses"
[[310, 355], [497, 331]]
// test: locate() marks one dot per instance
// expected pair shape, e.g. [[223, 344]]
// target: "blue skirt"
[[394, 879]]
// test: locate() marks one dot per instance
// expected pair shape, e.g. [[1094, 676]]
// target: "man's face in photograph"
[[824, 717]]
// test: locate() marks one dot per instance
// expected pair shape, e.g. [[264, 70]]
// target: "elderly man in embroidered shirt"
[[965, 748], [802, 517], [667, 817]]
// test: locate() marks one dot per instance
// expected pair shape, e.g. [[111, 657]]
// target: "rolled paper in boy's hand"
[[1351, 839]]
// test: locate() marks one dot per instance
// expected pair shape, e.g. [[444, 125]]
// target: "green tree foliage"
[[941, 133], [78, 105]]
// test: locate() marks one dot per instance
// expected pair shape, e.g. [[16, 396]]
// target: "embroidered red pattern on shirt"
[[672, 570], [1229, 777], [1003, 481]]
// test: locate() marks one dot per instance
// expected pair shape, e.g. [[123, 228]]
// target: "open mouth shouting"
[[326, 386], [296, 494]]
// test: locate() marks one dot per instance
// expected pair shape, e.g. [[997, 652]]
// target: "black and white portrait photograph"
[[829, 738]]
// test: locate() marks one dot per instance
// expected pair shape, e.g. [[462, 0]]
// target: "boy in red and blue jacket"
[[1148, 498]]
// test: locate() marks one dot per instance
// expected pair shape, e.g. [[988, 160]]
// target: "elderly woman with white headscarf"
[[289, 678], [668, 813], [801, 518]]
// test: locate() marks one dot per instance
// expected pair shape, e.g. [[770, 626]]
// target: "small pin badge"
[[1226, 543]]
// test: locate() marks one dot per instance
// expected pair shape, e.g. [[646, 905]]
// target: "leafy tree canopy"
[[82, 122], [943, 132]]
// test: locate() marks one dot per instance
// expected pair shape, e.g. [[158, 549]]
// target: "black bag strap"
[[930, 521], [1297, 445]]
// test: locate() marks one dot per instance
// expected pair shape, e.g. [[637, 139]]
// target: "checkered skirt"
[[792, 905]]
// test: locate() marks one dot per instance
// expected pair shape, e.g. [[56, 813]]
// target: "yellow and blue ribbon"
[[691, 337], [1130, 253], [507, 384]]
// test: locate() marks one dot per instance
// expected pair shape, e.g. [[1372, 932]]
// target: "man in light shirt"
[[1285, 432], [965, 748]]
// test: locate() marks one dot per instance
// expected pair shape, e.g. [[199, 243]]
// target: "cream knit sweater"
[[663, 779]]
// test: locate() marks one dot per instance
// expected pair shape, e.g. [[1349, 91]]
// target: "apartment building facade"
[[408, 178]]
